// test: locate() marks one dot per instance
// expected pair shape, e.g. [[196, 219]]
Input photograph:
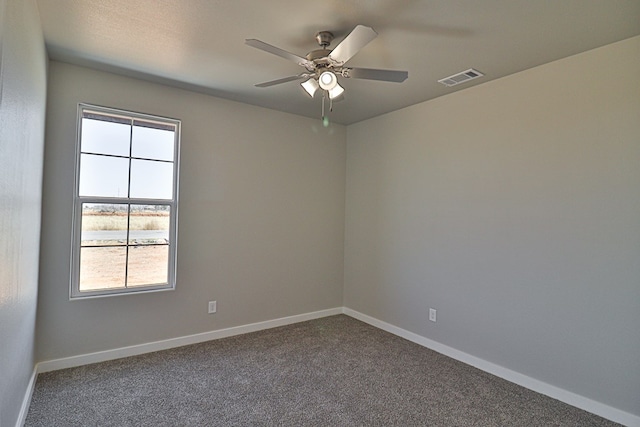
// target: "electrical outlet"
[[432, 314], [212, 307]]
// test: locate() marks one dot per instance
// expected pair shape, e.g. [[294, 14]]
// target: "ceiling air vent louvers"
[[462, 77]]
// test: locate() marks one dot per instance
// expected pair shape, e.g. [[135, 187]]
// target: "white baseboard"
[[134, 350], [557, 393], [26, 401]]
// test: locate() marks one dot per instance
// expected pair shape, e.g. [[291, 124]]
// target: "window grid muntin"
[[133, 119]]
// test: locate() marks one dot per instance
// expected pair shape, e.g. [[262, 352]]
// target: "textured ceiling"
[[199, 44]]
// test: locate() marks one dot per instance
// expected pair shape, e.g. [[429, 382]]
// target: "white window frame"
[[74, 292]]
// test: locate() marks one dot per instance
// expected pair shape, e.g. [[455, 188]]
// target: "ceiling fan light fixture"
[[310, 86], [327, 80]]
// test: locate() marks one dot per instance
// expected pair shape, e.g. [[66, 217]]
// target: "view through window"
[[125, 206]]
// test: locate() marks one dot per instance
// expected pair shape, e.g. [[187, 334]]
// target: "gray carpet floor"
[[334, 371]]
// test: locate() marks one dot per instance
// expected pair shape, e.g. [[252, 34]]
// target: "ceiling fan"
[[323, 66]]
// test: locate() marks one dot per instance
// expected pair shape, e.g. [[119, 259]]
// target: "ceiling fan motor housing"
[[318, 54]]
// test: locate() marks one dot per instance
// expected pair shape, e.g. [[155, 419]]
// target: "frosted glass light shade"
[[327, 80], [336, 91], [310, 86]]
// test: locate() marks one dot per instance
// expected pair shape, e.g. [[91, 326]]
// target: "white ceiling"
[[199, 44]]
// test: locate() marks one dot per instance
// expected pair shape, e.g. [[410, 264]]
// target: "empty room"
[[296, 213]]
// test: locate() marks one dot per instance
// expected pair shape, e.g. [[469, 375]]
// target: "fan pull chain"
[[325, 119]]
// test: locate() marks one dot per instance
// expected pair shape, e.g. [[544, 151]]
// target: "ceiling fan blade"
[[356, 40], [303, 62], [375, 74], [283, 80]]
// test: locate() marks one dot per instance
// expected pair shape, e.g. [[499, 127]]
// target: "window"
[[126, 203]]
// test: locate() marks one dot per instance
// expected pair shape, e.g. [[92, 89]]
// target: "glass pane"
[[103, 176], [152, 143], [102, 268], [105, 137], [104, 224], [148, 265], [149, 224], [151, 180]]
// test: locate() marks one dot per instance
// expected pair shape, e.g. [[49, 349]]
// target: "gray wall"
[[261, 221], [513, 208], [22, 111]]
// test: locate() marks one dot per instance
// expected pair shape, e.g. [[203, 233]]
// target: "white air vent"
[[462, 77]]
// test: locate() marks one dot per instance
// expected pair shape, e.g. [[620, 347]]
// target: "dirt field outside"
[[95, 221], [105, 264], [104, 268]]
